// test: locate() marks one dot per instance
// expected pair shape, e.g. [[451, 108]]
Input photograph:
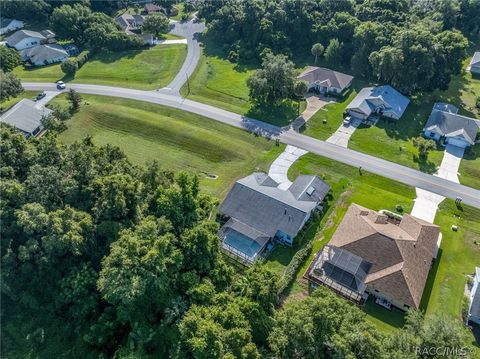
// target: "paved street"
[[369, 163], [189, 30]]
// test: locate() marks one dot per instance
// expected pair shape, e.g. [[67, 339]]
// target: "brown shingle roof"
[[401, 255]]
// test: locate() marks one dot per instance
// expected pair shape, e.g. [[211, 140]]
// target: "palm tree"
[[300, 89], [317, 50]]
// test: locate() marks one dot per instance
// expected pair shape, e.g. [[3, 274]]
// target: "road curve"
[[369, 163], [190, 30]]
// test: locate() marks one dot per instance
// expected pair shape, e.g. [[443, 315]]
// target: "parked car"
[[347, 120], [40, 96], [61, 85]]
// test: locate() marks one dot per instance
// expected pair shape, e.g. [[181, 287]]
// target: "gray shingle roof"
[[329, 77], [257, 202], [42, 53], [4, 22], [25, 116], [371, 98], [450, 124], [19, 35], [475, 304]]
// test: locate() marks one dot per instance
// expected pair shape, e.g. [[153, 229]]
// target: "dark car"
[[40, 96]]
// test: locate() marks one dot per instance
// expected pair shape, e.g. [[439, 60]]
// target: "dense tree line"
[[414, 45], [113, 260]]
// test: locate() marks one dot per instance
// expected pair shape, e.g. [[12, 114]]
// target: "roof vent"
[[310, 190]]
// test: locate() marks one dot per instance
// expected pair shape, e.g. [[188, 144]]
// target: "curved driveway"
[[369, 163]]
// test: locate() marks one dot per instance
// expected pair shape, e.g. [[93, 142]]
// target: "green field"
[[178, 140], [221, 83], [6, 104], [459, 255], [145, 69], [395, 138], [348, 186]]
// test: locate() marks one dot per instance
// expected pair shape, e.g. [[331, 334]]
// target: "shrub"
[[69, 67], [82, 58], [293, 266]]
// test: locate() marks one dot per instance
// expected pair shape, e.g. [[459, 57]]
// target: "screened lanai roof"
[[343, 267]]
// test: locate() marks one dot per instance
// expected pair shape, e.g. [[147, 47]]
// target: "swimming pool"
[[242, 243]]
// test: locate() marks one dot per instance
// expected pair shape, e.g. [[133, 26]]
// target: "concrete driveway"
[[342, 135], [170, 42], [450, 163], [279, 168], [426, 203], [50, 95]]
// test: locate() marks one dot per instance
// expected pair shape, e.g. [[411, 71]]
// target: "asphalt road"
[[369, 163], [191, 31]]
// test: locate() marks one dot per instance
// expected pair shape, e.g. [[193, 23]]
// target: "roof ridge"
[[277, 199]]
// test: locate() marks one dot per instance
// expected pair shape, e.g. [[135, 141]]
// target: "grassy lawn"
[[332, 114], [221, 83], [178, 140], [470, 167], [395, 138], [6, 104], [459, 255], [348, 186], [145, 69]]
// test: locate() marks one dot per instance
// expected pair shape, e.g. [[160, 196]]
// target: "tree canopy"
[[101, 258], [430, 37]]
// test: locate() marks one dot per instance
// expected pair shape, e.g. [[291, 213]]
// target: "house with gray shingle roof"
[[325, 80], [372, 254], [381, 100], [23, 39], [8, 25], [474, 308], [44, 54], [474, 66], [26, 117], [446, 125], [259, 212]]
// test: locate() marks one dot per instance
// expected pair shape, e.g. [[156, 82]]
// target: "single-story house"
[[259, 212], [153, 9], [26, 117], [44, 54], [325, 80], [129, 22], [446, 125], [474, 66], [373, 254], [24, 39], [381, 100], [8, 25], [474, 308]]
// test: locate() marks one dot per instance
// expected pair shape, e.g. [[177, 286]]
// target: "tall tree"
[[11, 85], [317, 50], [334, 52], [9, 58], [273, 83], [156, 24]]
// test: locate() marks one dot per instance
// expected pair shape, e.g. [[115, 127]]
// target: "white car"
[[347, 120], [61, 85]]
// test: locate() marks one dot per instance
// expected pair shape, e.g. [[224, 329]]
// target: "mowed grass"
[[458, 256], [7, 104], [218, 82], [348, 186], [145, 69], [393, 140], [470, 167], [332, 114], [178, 140]]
